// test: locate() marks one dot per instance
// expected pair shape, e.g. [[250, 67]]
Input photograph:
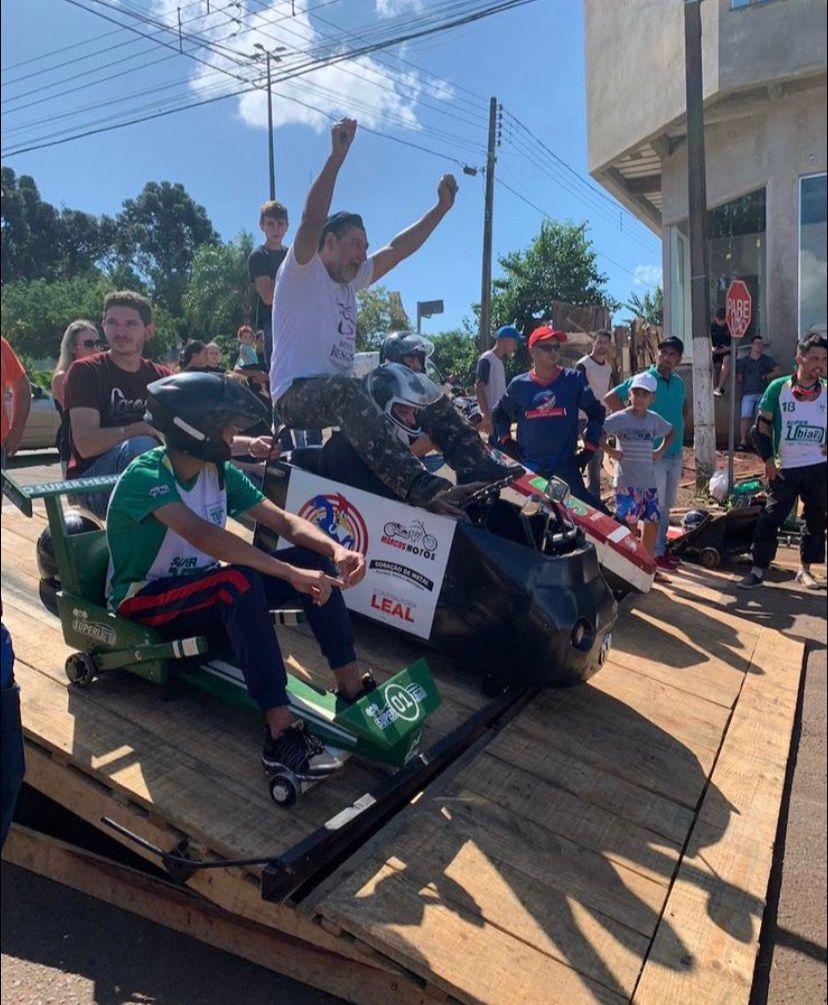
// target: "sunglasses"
[[549, 346], [89, 343]]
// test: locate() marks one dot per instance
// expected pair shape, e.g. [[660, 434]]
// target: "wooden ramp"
[[608, 843]]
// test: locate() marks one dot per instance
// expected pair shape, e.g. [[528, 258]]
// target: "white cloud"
[[364, 88], [647, 275]]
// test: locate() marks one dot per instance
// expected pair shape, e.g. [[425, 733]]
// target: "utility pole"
[[704, 425], [484, 335], [270, 153]]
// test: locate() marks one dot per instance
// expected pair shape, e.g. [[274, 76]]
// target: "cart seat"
[[91, 560]]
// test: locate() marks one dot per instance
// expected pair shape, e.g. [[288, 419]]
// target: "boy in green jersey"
[[168, 545], [789, 436]]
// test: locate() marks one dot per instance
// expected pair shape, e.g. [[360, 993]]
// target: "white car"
[[43, 423]]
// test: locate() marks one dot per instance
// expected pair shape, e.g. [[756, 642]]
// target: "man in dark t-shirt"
[[105, 395], [753, 374], [262, 266], [720, 340]]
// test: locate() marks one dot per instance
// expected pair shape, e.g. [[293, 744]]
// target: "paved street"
[[59, 946]]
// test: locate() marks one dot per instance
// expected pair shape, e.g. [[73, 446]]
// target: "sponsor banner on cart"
[[405, 549]]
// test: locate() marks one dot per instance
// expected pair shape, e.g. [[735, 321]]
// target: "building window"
[[736, 4], [812, 252], [736, 250]]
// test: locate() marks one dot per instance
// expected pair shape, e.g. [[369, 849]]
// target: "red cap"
[[544, 333]]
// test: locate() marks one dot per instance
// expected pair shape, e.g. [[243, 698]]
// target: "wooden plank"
[[705, 947], [230, 889], [656, 813], [615, 738], [182, 911], [462, 953]]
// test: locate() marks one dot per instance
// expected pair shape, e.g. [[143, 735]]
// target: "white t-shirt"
[[801, 428], [314, 322], [492, 372], [598, 377]]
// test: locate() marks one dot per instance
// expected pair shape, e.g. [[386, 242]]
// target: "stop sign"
[[738, 306]]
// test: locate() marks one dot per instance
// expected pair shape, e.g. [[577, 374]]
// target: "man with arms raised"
[[106, 395], [314, 332]]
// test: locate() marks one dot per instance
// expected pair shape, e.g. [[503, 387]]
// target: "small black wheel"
[[80, 669], [494, 684], [710, 558], [283, 789]]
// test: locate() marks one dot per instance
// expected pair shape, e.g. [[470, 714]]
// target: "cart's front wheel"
[[283, 789], [80, 669], [710, 558]]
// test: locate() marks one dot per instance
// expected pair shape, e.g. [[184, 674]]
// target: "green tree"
[[455, 352], [38, 242], [158, 234], [34, 314], [219, 295], [559, 264], [378, 313], [30, 228], [649, 308]]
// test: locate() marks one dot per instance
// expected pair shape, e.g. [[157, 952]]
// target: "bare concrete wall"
[[635, 61], [635, 70], [771, 41], [773, 148]]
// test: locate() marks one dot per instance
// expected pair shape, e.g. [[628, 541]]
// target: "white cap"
[[645, 380]]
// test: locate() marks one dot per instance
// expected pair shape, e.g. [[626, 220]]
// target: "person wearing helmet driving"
[[442, 425], [176, 568], [403, 396]]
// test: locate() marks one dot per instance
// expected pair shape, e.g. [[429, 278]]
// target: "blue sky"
[[530, 58]]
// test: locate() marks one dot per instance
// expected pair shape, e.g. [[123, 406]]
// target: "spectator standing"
[[671, 404], [720, 342], [753, 373], [14, 380], [544, 403], [262, 265], [106, 394], [790, 438], [635, 430], [601, 375], [490, 379]]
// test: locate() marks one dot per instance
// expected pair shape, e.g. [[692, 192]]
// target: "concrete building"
[[765, 135]]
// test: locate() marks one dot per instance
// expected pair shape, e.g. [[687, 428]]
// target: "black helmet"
[[76, 523], [398, 345], [694, 518], [193, 409], [394, 384]]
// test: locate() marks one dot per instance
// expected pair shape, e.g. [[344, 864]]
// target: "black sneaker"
[[751, 581], [369, 683], [298, 751]]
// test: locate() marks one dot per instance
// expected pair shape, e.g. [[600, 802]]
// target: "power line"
[[426, 29], [548, 216]]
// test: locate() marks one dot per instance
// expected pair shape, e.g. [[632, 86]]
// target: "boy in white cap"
[[635, 430]]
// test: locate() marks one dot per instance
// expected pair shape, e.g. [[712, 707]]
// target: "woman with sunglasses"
[[79, 340]]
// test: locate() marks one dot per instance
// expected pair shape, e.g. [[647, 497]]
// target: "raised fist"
[[447, 190], [342, 135]]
